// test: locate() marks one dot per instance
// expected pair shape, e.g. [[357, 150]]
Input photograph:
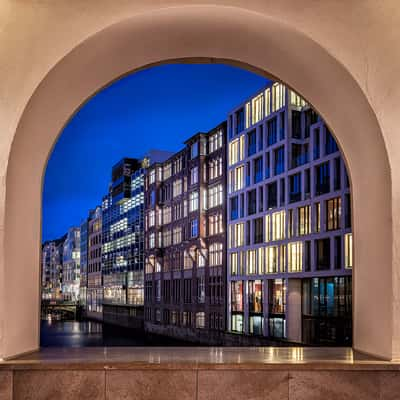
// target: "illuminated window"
[[187, 260], [151, 218], [234, 263], [348, 250], [201, 257], [167, 238], [194, 228], [278, 225], [317, 217], [304, 220], [267, 97], [236, 179], [260, 260], [296, 100], [248, 117], [152, 241], [255, 296], [152, 176], [234, 148], [295, 256], [237, 296], [193, 201], [215, 168], [251, 262], [166, 215], [215, 252], [215, 196], [271, 259], [267, 228], [200, 320], [333, 213], [167, 170], [194, 150], [215, 141], [282, 258], [278, 96], [177, 235], [215, 224], [237, 235], [257, 108], [177, 188]]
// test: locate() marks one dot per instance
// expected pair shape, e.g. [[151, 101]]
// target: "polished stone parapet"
[[200, 373]]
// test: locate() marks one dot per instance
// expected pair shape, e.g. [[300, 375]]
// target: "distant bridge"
[[64, 309]]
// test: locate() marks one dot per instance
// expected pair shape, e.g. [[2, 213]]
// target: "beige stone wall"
[[342, 56]]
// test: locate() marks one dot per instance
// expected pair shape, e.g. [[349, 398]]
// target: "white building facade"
[[289, 261]]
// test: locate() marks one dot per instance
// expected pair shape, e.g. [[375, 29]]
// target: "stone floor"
[[199, 373]]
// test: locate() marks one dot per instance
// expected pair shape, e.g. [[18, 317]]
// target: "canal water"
[[90, 333]]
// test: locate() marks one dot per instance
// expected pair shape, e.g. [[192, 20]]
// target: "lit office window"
[[296, 100], [215, 252], [318, 217], [215, 196], [177, 188], [194, 201], [271, 259], [237, 296], [348, 250], [177, 235], [257, 108], [234, 151], [215, 224], [167, 238], [267, 228], [215, 141], [152, 176], [304, 220], [251, 262], [260, 260], [236, 233], [152, 241], [282, 258], [166, 215], [167, 170], [215, 168], [194, 228], [236, 179], [201, 257], [333, 213], [248, 116], [295, 256], [267, 97], [151, 217], [278, 96], [278, 225], [234, 263]]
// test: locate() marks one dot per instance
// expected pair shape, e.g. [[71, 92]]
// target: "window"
[[215, 252], [337, 176], [167, 170], [330, 143], [236, 235], [194, 150], [278, 225], [258, 230], [236, 177], [177, 235], [251, 202], [304, 220], [152, 176], [215, 196], [177, 188], [257, 108], [166, 215], [255, 296], [295, 257], [234, 263], [316, 144], [251, 143], [272, 200], [193, 201], [271, 132], [296, 124], [248, 119], [311, 117], [234, 152], [333, 213], [271, 259], [151, 217], [317, 217], [194, 228], [267, 165], [348, 250], [296, 100], [282, 125], [279, 156], [194, 175], [251, 262], [234, 205], [152, 240], [323, 254], [278, 96], [215, 141], [267, 96], [257, 170], [215, 168], [200, 320], [347, 211], [239, 121], [201, 290], [299, 154], [215, 226], [295, 188], [322, 179], [237, 295]]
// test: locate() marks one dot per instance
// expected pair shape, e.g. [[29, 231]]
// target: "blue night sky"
[[156, 108]]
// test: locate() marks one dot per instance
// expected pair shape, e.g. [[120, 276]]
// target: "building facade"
[[83, 282], [289, 262], [94, 302], [52, 259], [71, 266], [186, 241]]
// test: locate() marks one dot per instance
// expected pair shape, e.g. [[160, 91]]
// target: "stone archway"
[[201, 34]]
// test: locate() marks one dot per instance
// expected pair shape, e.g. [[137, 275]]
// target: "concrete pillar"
[[293, 313]]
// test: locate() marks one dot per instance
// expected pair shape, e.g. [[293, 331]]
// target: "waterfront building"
[[289, 223], [122, 251], [52, 259], [185, 241], [94, 307], [83, 282], [71, 265]]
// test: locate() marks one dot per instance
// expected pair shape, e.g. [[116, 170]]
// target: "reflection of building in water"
[[71, 265], [289, 223]]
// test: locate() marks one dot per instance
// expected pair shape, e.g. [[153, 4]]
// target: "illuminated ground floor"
[[312, 310]]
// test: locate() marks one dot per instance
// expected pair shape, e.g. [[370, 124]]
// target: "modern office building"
[[71, 266], [52, 259], [83, 282], [123, 242], [185, 241], [289, 223], [94, 300]]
